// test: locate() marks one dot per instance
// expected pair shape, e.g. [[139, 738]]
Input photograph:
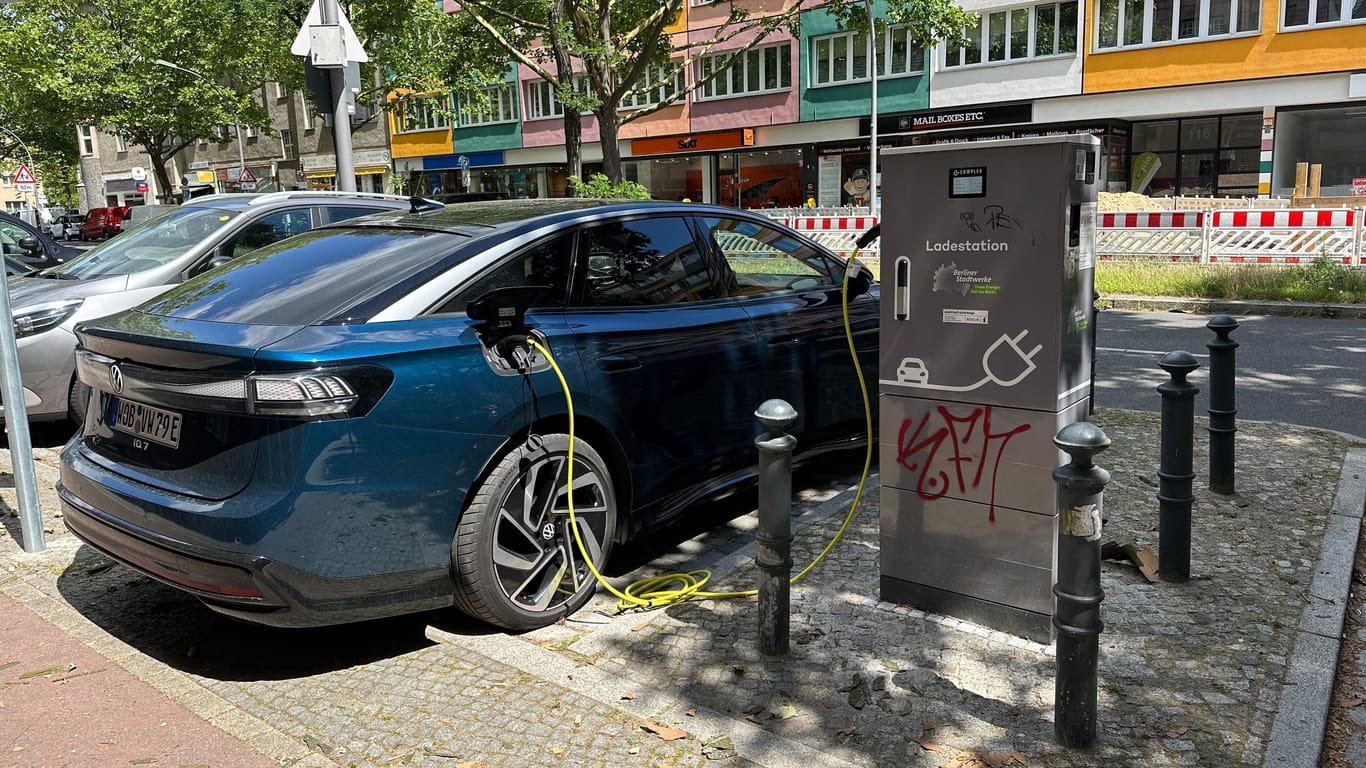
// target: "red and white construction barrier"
[[1283, 236]]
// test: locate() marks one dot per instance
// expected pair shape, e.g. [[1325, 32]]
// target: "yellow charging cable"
[[658, 591]]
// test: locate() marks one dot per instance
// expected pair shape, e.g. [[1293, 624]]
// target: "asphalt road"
[[1309, 371]]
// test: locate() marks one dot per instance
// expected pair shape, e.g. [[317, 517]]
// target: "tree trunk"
[[158, 161], [564, 68], [608, 126]]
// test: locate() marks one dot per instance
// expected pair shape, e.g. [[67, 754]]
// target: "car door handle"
[[622, 362], [782, 340]]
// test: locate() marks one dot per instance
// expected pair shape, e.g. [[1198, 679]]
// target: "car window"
[[268, 229], [10, 235], [343, 212], [309, 278], [161, 240], [641, 262], [548, 263], [764, 259]]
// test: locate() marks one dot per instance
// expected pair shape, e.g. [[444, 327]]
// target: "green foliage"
[[1324, 281], [598, 185]]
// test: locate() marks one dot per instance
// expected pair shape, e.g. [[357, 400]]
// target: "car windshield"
[[162, 239]]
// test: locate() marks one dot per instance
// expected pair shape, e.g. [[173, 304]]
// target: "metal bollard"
[[1175, 475], [1222, 404], [774, 556], [1076, 615], [1095, 318]]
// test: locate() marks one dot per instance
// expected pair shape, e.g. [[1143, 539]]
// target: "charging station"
[[987, 257]]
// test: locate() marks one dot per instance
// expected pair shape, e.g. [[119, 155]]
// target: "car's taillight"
[[319, 393], [312, 394]]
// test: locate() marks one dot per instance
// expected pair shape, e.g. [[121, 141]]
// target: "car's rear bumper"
[[238, 583]]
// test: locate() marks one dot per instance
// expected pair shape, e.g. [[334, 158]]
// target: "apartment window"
[[423, 115], [120, 143], [664, 87], [287, 148], [1322, 13], [279, 90], [306, 116], [500, 107], [1048, 29], [761, 70], [843, 58], [542, 101], [87, 137], [224, 133], [1128, 23], [252, 132]]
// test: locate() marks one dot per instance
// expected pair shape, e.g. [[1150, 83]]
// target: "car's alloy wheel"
[[515, 561]]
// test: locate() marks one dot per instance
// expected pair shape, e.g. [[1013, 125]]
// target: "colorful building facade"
[[1189, 97]]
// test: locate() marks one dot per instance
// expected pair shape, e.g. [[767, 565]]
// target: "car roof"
[[242, 201], [480, 217]]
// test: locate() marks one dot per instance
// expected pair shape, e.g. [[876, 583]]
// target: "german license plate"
[[156, 424]]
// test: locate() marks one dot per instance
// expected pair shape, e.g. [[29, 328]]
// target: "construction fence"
[[1233, 235]]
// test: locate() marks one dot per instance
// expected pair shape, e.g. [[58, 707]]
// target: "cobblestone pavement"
[[1203, 673]]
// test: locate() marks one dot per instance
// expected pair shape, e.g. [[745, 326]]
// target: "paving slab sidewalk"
[[1224, 670]]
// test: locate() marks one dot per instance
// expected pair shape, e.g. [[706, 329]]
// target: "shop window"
[[1005, 35], [843, 58], [1202, 156], [1330, 137], [1175, 21], [1322, 13], [760, 70], [761, 179], [423, 114], [498, 105]]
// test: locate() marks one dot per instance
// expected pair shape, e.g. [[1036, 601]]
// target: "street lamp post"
[[237, 123], [872, 136]]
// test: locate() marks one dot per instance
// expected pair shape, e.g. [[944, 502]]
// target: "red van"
[[103, 223]]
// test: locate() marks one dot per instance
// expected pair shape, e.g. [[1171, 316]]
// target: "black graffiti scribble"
[[969, 219], [997, 218], [941, 472]]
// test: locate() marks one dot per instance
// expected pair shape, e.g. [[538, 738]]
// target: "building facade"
[[1188, 97]]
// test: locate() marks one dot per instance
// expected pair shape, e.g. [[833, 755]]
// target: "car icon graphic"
[[912, 371]]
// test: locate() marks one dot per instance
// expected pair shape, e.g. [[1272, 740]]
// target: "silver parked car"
[[127, 270]]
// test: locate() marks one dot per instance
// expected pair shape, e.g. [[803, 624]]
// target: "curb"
[[1233, 307], [1297, 732]]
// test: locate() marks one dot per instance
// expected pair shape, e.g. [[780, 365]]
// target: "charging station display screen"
[[968, 182]]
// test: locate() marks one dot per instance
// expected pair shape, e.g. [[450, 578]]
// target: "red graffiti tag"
[[942, 472]]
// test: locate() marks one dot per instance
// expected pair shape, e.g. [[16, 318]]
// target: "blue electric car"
[[351, 423]]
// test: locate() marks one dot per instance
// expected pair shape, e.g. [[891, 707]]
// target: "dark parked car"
[[14, 266], [31, 245], [347, 425]]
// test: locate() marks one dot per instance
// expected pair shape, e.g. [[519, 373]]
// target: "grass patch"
[[1323, 281]]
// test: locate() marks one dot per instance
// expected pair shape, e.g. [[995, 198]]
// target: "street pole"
[[872, 139], [236, 112], [341, 118], [16, 414]]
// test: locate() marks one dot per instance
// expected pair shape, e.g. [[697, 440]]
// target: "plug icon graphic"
[[1023, 361]]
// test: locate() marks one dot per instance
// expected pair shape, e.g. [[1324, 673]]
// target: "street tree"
[[598, 55], [99, 65]]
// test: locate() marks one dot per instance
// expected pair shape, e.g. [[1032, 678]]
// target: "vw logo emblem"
[[548, 531], [116, 378]]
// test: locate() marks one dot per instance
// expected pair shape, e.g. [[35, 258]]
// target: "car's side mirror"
[[31, 244]]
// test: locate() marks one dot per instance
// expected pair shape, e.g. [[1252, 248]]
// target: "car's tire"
[[108, 233], [77, 398], [514, 560]]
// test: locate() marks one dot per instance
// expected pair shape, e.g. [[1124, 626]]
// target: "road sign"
[[138, 173], [24, 177], [245, 177]]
